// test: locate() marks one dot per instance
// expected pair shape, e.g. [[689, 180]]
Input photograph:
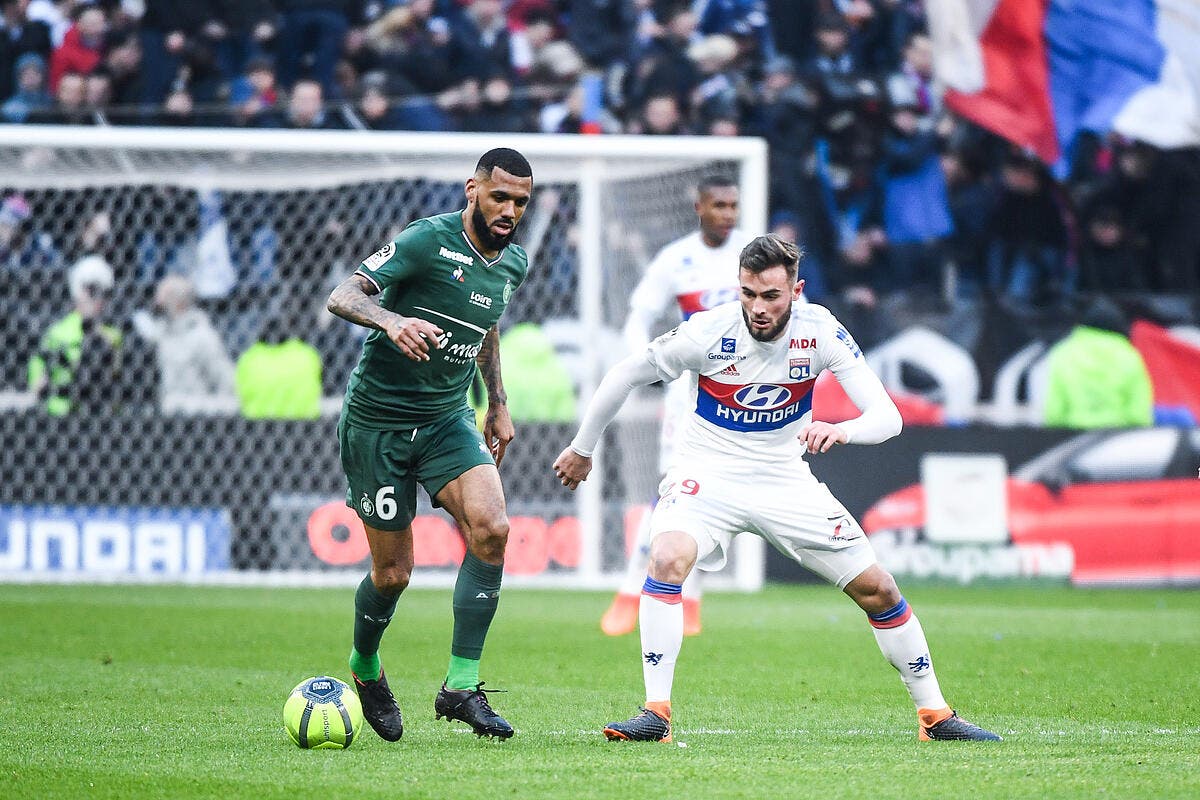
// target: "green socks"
[[372, 613], [476, 595]]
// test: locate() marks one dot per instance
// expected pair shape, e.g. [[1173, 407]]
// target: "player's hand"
[[818, 437], [571, 468], [414, 336], [498, 430]]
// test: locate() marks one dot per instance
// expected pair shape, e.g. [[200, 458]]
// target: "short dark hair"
[[715, 180], [506, 159], [769, 251]]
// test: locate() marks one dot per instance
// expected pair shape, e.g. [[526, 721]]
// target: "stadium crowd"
[[904, 209]]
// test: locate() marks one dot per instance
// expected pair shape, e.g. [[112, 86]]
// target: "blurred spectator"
[[55, 14], [664, 66], [745, 20], [788, 225], [1158, 195], [254, 95], [279, 376], [1095, 377], [249, 30], [1107, 260], [914, 80], [1026, 258], [504, 112], [374, 108], [312, 29], [785, 115], [723, 126], [179, 109], [716, 94], [123, 63], [412, 43], [871, 41], [19, 37], [179, 42], [833, 59], [534, 28], [971, 197], [23, 247], [82, 47], [76, 367], [567, 116], [916, 213], [195, 371], [31, 94], [70, 104], [660, 116], [98, 90], [306, 109], [599, 29], [483, 33]]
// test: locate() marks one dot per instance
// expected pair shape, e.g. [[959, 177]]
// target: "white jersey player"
[[693, 273], [741, 466]]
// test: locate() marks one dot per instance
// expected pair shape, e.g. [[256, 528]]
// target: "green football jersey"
[[432, 271]]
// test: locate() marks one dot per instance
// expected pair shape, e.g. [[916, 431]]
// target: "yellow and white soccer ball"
[[323, 712]]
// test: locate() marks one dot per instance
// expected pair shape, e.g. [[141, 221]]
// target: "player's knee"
[[391, 580], [672, 556], [875, 590], [490, 538], [886, 590]]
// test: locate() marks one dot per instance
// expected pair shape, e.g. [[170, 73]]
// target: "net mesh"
[[140, 477]]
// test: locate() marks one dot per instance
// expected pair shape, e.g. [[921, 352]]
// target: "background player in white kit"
[[694, 273], [740, 466]]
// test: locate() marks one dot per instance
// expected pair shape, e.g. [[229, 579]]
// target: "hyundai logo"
[[715, 297], [762, 396]]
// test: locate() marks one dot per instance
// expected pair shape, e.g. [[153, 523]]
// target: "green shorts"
[[383, 467]]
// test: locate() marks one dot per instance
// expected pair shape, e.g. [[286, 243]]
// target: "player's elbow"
[[895, 422]]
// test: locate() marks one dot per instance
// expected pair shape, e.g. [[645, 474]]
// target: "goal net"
[[137, 481]]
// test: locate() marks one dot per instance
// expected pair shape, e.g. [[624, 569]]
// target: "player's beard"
[[770, 334], [489, 240]]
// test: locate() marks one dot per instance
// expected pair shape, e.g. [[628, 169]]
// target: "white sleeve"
[[880, 419], [626, 375], [636, 332], [647, 303], [678, 350]]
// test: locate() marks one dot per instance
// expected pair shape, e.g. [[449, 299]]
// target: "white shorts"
[[793, 511]]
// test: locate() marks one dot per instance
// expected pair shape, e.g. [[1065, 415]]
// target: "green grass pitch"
[[163, 692]]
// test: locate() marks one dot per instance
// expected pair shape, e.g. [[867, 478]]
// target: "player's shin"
[[372, 612], [661, 622], [476, 596], [902, 641]]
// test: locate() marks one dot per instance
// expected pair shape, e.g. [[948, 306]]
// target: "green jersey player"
[[443, 284]]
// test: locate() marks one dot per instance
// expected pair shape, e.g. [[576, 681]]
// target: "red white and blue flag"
[[1037, 72]]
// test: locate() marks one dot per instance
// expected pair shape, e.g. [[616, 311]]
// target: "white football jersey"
[[750, 398], [692, 274]]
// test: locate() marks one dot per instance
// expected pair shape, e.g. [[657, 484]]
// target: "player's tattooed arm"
[[489, 367], [353, 300], [498, 428]]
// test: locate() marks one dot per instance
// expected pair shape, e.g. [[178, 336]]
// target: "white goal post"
[[269, 199]]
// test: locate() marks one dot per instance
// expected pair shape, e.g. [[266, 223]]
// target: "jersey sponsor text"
[[454, 255]]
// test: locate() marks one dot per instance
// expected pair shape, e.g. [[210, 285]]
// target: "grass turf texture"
[[164, 692]]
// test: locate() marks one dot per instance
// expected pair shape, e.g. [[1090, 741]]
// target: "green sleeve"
[[398, 260]]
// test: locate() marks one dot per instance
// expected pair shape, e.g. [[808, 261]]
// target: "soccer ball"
[[323, 712]]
